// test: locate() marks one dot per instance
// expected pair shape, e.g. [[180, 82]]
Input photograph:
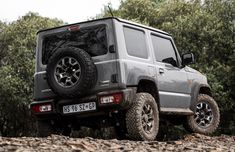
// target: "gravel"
[[56, 143]]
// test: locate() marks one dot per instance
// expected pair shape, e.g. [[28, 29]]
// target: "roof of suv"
[[119, 19]]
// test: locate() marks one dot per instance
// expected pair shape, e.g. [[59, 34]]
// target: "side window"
[[164, 50], [135, 42]]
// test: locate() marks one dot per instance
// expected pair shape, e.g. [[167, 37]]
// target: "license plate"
[[79, 107]]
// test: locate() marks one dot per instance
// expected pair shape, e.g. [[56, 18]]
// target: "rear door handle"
[[161, 71]]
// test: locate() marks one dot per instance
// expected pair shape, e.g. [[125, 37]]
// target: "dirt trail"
[[54, 143]]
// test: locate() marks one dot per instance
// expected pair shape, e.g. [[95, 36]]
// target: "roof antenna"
[[110, 10]]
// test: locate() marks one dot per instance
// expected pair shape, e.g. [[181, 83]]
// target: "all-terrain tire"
[[192, 126], [134, 118], [88, 76]]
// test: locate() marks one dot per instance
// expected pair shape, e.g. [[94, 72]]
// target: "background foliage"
[[17, 45], [206, 28]]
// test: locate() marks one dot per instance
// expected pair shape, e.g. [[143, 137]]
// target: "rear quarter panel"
[[132, 68]]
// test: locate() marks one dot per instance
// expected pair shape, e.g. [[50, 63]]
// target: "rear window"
[[135, 42], [91, 39]]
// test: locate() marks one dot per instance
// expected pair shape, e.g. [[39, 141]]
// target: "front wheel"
[[206, 116], [142, 119]]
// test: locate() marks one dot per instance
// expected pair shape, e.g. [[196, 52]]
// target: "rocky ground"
[[54, 143]]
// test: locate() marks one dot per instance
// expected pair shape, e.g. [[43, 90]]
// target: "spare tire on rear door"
[[71, 72]]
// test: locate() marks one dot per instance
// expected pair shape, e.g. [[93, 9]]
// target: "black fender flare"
[[154, 81], [195, 92]]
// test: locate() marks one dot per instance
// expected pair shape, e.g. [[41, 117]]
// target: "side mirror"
[[188, 58]]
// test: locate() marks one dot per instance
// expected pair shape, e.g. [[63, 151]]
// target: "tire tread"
[[133, 122], [189, 124]]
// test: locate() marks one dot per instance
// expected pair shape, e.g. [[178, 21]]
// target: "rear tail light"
[[40, 108], [112, 98]]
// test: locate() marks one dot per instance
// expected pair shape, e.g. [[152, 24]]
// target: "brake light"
[[117, 98], [113, 98], [74, 28], [42, 108]]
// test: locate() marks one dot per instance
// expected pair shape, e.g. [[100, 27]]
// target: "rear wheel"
[[142, 119], [206, 116]]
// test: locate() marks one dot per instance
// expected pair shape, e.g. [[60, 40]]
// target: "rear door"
[[86, 35], [173, 85]]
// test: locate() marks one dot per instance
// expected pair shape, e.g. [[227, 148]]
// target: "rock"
[[178, 142], [56, 143], [1, 149], [193, 148]]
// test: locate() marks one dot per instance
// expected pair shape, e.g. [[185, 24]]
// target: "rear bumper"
[[128, 96]]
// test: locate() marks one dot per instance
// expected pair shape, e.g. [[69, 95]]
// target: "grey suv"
[[112, 72]]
